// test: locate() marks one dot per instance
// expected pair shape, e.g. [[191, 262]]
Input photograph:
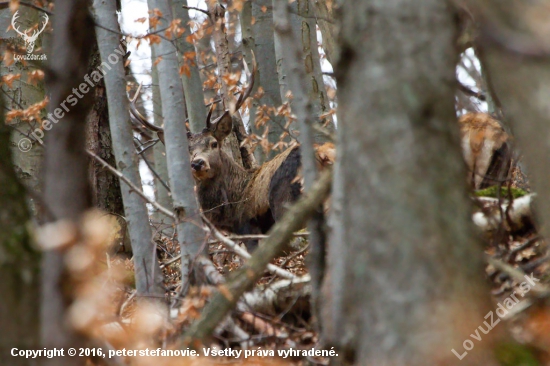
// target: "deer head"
[[205, 146], [29, 39]]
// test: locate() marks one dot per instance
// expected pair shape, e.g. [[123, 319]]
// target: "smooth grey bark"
[[515, 55], [147, 270], [405, 280], [159, 150], [66, 187], [258, 38], [19, 262], [302, 106], [297, 83], [192, 84], [190, 234], [304, 23]]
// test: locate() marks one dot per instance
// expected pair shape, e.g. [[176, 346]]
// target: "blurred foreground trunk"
[[405, 277]]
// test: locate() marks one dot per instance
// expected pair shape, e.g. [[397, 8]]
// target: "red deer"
[[486, 148], [235, 199]]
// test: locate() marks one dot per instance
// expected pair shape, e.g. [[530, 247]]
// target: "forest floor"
[[512, 250]]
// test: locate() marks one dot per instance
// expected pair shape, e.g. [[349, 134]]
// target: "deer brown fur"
[[233, 198], [239, 200], [486, 148]]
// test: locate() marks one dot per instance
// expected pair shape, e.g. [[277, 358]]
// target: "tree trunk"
[[258, 38], [190, 234], [192, 85], [304, 22], [66, 186], [19, 263], [405, 277], [325, 20], [21, 95], [105, 186], [147, 270], [303, 108], [223, 58], [159, 151], [518, 74]]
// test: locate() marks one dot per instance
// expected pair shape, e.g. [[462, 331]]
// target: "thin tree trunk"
[[325, 20], [147, 270], [66, 186], [192, 85], [405, 277], [303, 108], [258, 38], [159, 150], [190, 234], [304, 22], [223, 58]]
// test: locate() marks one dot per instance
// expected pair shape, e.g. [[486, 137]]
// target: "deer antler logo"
[[29, 40]]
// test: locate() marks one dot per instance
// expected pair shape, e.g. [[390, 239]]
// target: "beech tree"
[[367, 245], [398, 291]]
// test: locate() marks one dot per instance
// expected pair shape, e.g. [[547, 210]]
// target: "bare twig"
[[243, 253], [140, 193], [260, 237], [242, 280], [197, 9], [479, 95]]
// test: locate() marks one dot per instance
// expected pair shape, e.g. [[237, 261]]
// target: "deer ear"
[[223, 126]]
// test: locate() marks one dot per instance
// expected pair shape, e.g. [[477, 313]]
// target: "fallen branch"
[[267, 299], [540, 290], [226, 297], [243, 253], [260, 237]]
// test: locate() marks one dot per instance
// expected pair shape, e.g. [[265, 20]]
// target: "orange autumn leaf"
[[8, 58], [191, 38], [152, 38], [159, 59], [189, 57], [30, 114], [156, 12], [35, 76], [184, 70], [10, 78], [236, 5], [174, 30], [153, 22]]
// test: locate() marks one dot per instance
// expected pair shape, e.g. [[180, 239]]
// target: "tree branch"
[[241, 281], [140, 193]]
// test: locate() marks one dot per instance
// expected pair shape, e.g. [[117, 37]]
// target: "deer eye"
[[214, 145]]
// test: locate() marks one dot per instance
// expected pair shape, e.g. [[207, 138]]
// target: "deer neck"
[[227, 188]]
